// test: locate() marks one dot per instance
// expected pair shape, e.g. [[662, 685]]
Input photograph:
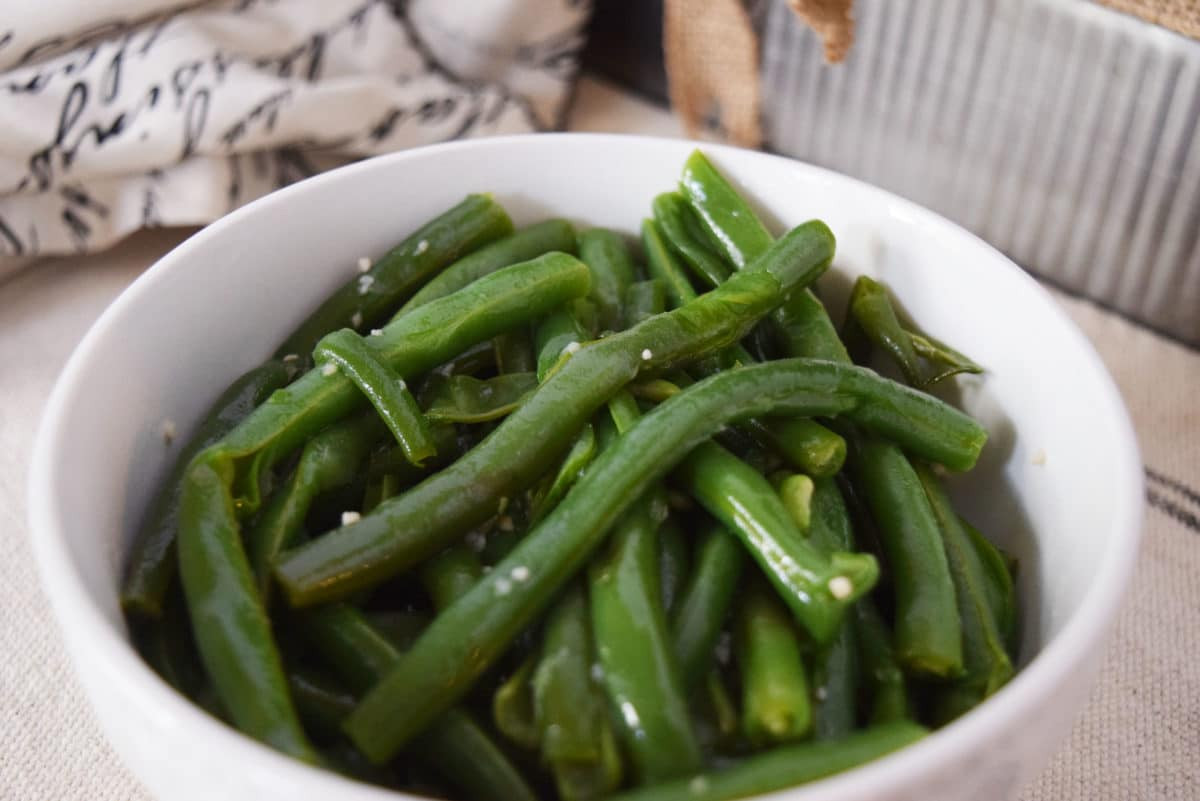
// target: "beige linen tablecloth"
[[1138, 739]]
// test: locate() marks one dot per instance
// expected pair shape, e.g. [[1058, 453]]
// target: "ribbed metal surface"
[[1063, 133]]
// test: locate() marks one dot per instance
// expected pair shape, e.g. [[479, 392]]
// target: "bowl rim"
[[85, 627]]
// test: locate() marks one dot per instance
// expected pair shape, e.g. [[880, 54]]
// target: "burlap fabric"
[[1138, 739]]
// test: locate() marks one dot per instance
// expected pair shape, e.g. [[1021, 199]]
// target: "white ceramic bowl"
[[1059, 484]]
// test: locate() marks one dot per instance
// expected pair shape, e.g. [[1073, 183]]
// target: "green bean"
[[796, 491], [721, 703], [512, 706], [469, 636], [559, 331], [641, 675], [643, 299], [576, 737], [455, 745], [574, 463], [661, 265], [450, 574], [985, 659], [168, 645], [514, 352], [884, 678], [413, 344], [656, 390], [151, 563], [783, 767], [804, 444], [680, 229], [673, 558], [329, 460], [392, 462], [725, 215], [527, 243], [816, 588], [612, 272], [939, 353], [803, 328], [401, 628], [346, 351], [412, 526], [233, 634], [473, 360], [705, 602], [223, 482], [835, 665], [775, 703], [321, 701], [871, 310], [1002, 597], [928, 624], [464, 399], [364, 300]]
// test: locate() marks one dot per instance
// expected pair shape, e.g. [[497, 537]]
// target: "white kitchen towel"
[[122, 114]]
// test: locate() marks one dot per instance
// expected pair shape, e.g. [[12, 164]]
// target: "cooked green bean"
[[928, 624], [527, 243], [576, 736], [1002, 596], [705, 602], [816, 588], [512, 706], [871, 309], [883, 676], [450, 574], [662, 266], [573, 464], [796, 491], [612, 272], [346, 351], [643, 299], [681, 231], [456, 746], [466, 638], [329, 460], [835, 665], [674, 554], [321, 701], [783, 767], [364, 300], [775, 703], [416, 524], [233, 633], [465, 399], [514, 351], [985, 659], [641, 675], [151, 563], [556, 336], [725, 215], [939, 353], [804, 444]]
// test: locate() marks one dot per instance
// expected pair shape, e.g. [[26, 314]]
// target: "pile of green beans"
[[580, 521]]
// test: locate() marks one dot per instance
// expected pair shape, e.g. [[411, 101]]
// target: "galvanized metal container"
[[1060, 131]]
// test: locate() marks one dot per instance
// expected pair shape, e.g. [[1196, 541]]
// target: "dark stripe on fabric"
[[1174, 484], [1180, 515]]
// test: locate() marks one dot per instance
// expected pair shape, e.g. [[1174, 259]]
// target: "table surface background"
[[1139, 737]]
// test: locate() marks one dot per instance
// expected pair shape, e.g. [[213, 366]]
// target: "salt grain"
[[329, 369], [364, 264]]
